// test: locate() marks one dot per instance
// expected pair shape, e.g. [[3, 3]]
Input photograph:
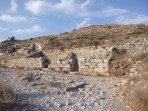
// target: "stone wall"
[[91, 60], [97, 60], [139, 45], [93, 65], [24, 50], [88, 60], [129, 66], [25, 63]]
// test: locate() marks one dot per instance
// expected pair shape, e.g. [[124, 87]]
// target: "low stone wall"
[[27, 63], [138, 45]]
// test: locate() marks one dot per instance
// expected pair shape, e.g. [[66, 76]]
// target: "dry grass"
[[140, 57], [96, 35], [138, 93], [140, 99], [7, 95], [93, 35]]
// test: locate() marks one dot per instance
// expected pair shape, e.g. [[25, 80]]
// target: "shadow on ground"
[[20, 107]]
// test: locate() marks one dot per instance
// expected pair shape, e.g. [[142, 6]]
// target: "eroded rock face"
[[120, 67], [119, 62]]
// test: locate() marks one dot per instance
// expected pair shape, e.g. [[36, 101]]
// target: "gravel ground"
[[54, 91]]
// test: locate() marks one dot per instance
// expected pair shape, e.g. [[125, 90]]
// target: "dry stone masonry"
[[138, 45], [27, 63], [106, 60], [87, 60], [93, 65]]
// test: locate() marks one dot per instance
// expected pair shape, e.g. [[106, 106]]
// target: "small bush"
[[140, 57], [109, 26], [138, 93], [139, 99], [7, 95]]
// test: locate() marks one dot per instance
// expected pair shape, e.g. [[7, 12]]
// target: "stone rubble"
[[52, 91]]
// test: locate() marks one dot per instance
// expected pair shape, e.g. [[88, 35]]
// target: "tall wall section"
[[91, 60]]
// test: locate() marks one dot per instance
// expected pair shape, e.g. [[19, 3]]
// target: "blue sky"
[[33, 18]]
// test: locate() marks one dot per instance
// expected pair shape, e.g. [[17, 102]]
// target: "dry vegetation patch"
[[7, 95], [137, 93]]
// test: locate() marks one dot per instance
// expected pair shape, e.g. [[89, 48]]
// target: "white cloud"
[[81, 8], [13, 19], [3, 29], [132, 19], [73, 7], [85, 22], [33, 29], [112, 11], [38, 6], [14, 6]]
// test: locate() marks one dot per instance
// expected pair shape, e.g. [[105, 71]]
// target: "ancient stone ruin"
[[92, 60], [35, 61]]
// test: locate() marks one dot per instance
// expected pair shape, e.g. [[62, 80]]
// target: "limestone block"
[[63, 63], [97, 70], [106, 69], [82, 63], [100, 70], [105, 60], [57, 68], [81, 59], [81, 67], [79, 63], [132, 70], [93, 65], [91, 60], [131, 74], [100, 49], [103, 65], [82, 70], [86, 67], [67, 66], [87, 60], [90, 70], [87, 64], [98, 60], [58, 62], [65, 69]]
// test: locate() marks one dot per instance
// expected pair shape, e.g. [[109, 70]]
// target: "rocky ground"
[[53, 91]]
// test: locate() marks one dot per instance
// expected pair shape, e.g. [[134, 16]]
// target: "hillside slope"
[[90, 36]]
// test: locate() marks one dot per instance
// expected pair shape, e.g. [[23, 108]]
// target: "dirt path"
[[52, 91]]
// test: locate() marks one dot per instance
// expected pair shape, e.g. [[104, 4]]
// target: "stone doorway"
[[74, 67], [45, 62]]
